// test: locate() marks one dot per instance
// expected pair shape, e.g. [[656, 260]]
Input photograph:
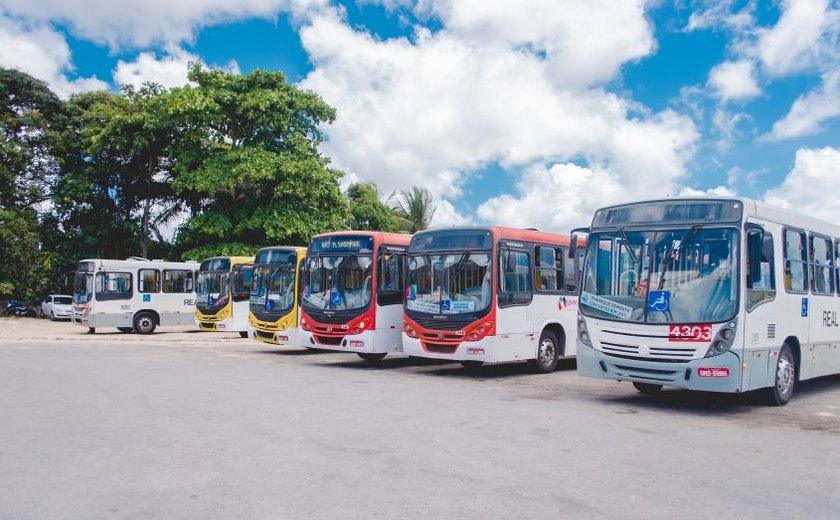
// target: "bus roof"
[[290, 249], [234, 260], [140, 263], [397, 239]]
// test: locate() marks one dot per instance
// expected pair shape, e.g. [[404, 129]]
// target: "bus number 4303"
[[698, 332]]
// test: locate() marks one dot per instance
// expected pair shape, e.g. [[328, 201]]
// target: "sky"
[[528, 113]]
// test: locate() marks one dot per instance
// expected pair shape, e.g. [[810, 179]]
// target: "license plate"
[[713, 372], [357, 343]]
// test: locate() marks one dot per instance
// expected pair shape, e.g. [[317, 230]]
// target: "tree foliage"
[[367, 211], [415, 209]]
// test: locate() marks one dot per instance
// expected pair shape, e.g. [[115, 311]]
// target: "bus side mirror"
[[755, 251], [573, 240]]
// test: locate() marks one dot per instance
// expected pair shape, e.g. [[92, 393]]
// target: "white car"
[[57, 307]]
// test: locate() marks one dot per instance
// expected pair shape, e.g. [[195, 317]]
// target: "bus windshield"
[[664, 276], [212, 287], [83, 288], [338, 282], [273, 288], [449, 283]]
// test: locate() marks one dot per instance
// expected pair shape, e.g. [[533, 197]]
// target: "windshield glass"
[[449, 283], [273, 288], [63, 300], [83, 287], [659, 276], [339, 282], [212, 287]]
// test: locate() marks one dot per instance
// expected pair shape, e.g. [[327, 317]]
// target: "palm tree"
[[415, 209]]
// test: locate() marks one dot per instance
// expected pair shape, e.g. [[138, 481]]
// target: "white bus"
[[353, 293], [717, 294], [134, 295], [491, 295]]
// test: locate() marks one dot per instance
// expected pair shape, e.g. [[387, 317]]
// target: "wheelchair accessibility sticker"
[[147, 297], [804, 311], [659, 300]]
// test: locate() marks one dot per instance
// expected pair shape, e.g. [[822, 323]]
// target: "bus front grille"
[[439, 348], [333, 341]]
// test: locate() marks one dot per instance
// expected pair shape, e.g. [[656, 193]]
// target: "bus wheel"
[[243, 333], [372, 358], [647, 388], [780, 393], [548, 353], [125, 330], [144, 323]]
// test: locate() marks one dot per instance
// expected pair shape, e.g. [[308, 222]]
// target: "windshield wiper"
[[671, 251], [460, 263], [625, 240]]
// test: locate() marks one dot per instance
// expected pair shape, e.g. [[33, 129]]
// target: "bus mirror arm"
[[573, 240], [755, 246]]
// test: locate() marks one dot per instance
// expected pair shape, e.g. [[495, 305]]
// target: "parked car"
[[57, 307]]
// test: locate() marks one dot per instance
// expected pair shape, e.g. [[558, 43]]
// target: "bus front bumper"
[[481, 350], [714, 374], [363, 342], [225, 325], [283, 338]]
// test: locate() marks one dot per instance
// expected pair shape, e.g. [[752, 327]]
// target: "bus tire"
[[372, 358], [647, 388], [144, 323], [243, 333], [780, 393], [125, 330], [548, 353]]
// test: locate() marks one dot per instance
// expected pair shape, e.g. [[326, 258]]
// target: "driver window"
[[514, 278], [761, 286], [390, 279]]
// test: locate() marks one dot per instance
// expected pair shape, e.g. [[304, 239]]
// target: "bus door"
[[514, 317]]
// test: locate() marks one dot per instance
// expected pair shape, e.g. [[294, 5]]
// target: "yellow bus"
[[275, 295], [222, 293]]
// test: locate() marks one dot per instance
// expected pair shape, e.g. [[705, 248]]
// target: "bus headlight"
[[583, 331], [723, 339]]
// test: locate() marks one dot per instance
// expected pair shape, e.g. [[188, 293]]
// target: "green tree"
[[367, 211], [32, 116], [248, 165], [415, 209]]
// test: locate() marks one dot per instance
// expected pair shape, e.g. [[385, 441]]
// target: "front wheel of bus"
[[647, 388], [243, 333], [780, 393], [548, 353], [372, 358], [144, 323]]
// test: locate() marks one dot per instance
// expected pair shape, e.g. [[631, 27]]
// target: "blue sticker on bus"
[[659, 300], [446, 305], [210, 300], [335, 298], [804, 310], [147, 297], [269, 305]]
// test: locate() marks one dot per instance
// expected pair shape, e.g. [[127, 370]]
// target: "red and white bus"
[[491, 295], [353, 293]]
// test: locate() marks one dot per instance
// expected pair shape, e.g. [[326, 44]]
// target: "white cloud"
[[809, 111], [147, 22], [734, 80], [446, 215], [800, 38], [808, 188], [40, 51], [434, 109], [170, 70], [717, 191]]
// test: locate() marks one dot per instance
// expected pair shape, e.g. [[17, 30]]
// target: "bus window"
[[549, 268], [390, 279], [761, 285], [177, 281], [241, 282], [113, 286], [514, 278], [148, 281], [822, 278], [796, 261]]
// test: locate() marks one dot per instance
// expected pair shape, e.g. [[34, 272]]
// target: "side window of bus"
[[514, 278], [241, 282], [390, 285], [148, 281], [837, 265], [177, 281], [822, 276], [113, 286], [549, 269], [761, 274], [796, 261]]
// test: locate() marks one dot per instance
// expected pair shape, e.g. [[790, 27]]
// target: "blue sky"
[[529, 113]]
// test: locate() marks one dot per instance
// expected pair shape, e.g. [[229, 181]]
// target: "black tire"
[[372, 358], [144, 323], [647, 388], [785, 379], [52, 316], [472, 365], [125, 330], [243, 333], [548, 353]]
